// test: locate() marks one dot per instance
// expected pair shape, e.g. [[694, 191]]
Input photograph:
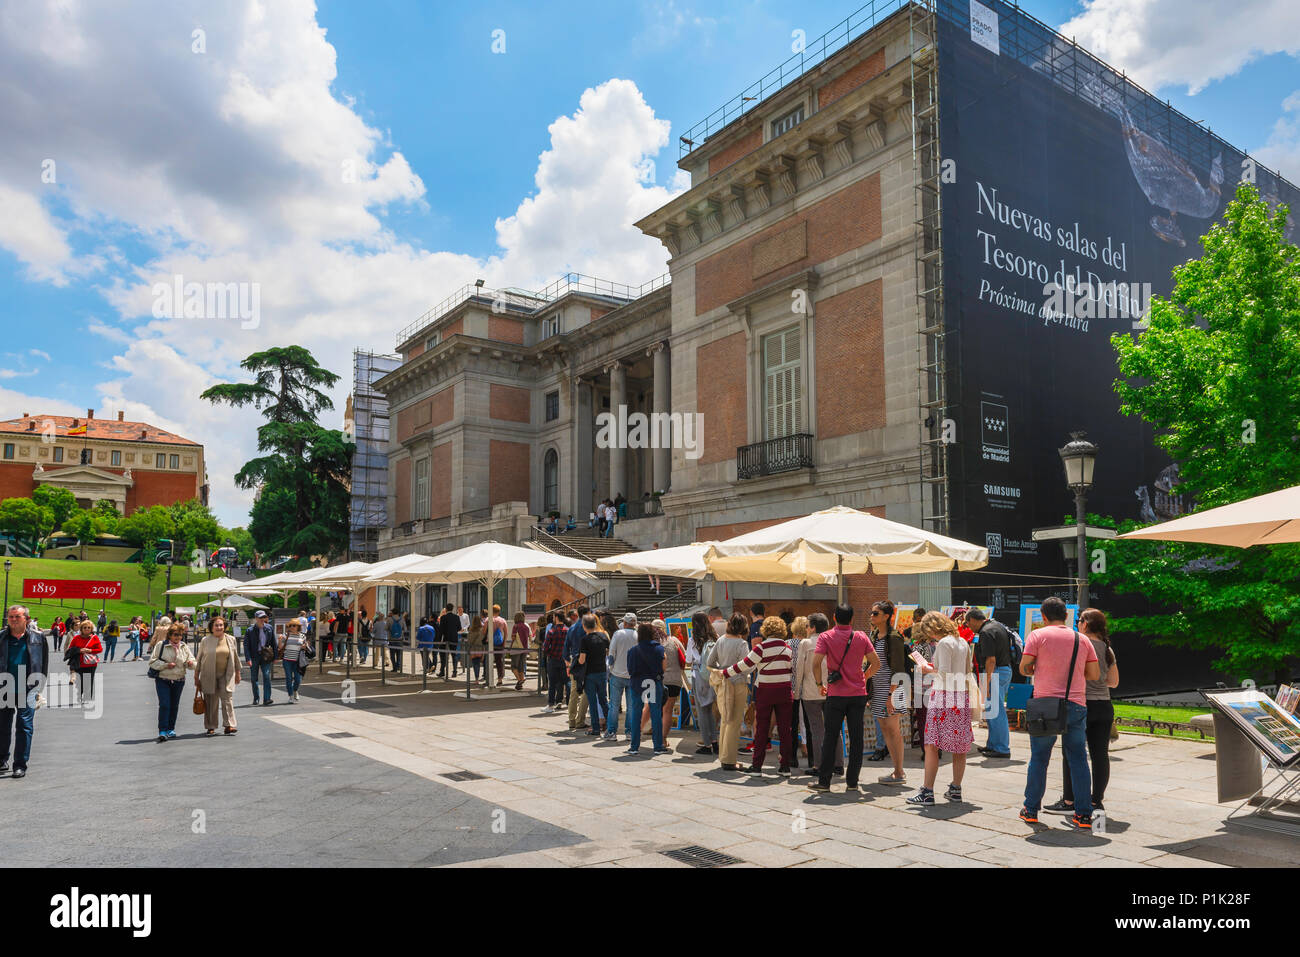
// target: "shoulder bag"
[[199, 706], [1047, 716]]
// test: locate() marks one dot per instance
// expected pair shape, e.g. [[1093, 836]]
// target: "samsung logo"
[[102, 910], [1005, 491]]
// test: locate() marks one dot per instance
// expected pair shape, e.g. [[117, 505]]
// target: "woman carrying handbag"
[[168, 661], [83, 656], [216, 674]]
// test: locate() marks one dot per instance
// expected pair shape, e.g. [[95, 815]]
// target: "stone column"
[[581, 464], [617, 450], [663, 456]]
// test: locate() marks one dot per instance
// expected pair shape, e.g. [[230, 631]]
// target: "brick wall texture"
[[720, 397], [850, 339], [546, 590], [845, 220], [509, 404], [440, 479], [505, 329], [438, 409], [742, 147], [851, 78], [402, 485], [509, 476]]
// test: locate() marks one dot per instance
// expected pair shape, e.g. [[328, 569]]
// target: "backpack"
[[1017, 650], [498, 639]]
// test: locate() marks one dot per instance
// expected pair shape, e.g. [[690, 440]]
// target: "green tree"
[[304, 469], [25, 519], [85, 524], [148, 570], [59, 501], [108, 511], [287, 385], [196, 529], [146, 527], [1217, 374]]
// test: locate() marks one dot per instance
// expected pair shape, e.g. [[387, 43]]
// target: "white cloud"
[[1191, 42], [31, 234], [40, 354], [1282, 151], [232, 166]]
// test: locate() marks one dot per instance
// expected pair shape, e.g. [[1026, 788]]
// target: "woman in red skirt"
[[947, 715]]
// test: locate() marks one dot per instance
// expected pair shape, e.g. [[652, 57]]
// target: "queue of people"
[[810, 684]]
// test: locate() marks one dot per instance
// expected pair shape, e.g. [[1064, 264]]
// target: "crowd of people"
[[812, 684], [809, 683]]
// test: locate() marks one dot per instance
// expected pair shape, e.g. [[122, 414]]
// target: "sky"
[[348, 165]]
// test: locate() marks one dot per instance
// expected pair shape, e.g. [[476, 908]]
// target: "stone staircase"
[[641, 596]]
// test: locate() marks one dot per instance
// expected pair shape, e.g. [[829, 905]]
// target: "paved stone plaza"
[[327, 783]]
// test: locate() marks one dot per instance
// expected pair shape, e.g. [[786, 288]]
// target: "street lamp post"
[[1080, 458], [8, 565]]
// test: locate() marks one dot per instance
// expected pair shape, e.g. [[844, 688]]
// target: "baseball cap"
[[259, 614]]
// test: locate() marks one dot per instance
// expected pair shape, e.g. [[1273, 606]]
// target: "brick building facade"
[[788, 328], [132, 464]]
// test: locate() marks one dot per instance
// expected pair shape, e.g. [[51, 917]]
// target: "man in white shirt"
[[464, 618], [619, 678]]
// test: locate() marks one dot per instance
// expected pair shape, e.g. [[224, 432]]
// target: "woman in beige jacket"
[[217, 674], [167, 663]]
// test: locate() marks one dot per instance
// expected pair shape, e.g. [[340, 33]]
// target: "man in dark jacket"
[[25, 655], [449, 638], [258, 637], [577, 692]]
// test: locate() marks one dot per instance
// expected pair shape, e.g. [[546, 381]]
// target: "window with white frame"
[[115, 458], [783, 390], [432, 341], [420, 502], [787, 121]]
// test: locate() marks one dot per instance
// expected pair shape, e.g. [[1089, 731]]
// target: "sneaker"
[[784, 770], [704, 749], [268, 702], [922, 798], [171, 735], [162, 738], [1097, 806], [750, 769], [663, 751], [819, 787], [1076, 821], [1001, 755], [632, 751], [22, 773], [953, 793], [1060, 807], [1028, 816]]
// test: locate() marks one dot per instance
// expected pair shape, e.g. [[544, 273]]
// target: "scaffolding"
[[369, 509], [932, 367]]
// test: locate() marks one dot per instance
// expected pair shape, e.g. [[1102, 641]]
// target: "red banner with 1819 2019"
[[43, 589]]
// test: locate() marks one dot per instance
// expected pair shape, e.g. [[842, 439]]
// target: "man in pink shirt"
[[849, 655], [1049, 653]]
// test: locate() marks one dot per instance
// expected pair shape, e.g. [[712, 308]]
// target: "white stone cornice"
[[875, 131], [736, 205], [783, 168]]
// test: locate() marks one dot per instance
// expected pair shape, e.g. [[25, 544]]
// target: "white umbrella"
[[485, 562], [1269, 519], [841, 541], [215, 586], [687, 561], [232, 601]]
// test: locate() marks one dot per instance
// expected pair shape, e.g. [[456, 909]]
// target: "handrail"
[[674, 599]]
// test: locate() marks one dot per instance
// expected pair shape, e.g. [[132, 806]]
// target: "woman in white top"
[[807, 683], [947, 715], [702, 694]]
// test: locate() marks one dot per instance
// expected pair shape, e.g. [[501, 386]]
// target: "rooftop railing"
[[529, 302], [815, 53]]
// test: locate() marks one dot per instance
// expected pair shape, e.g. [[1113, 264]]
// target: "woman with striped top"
[[774, 664], [291, 650]]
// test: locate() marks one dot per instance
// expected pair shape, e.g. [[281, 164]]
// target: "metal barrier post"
[[466, 663]]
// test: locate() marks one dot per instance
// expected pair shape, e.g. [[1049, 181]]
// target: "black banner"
[[1069, 196]]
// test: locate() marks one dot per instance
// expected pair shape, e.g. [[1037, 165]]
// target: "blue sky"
[[221, 164]]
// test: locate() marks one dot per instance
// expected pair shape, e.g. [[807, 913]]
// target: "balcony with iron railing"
[[789, 453]]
